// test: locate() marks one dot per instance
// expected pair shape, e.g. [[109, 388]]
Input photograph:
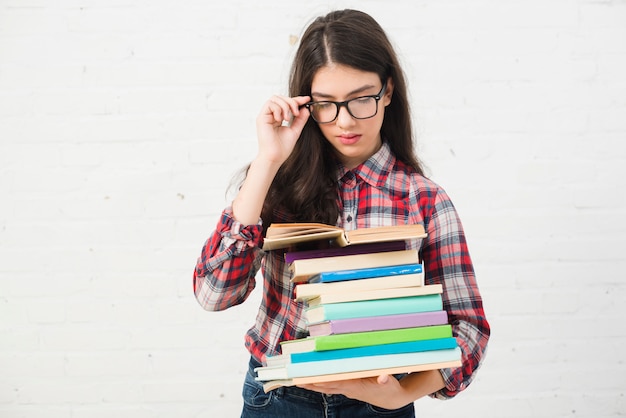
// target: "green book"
[[364, 339]]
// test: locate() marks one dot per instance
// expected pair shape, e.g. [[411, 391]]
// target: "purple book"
[[376, 247], [378, 323]]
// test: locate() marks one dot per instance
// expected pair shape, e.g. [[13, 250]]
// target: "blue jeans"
[[294, 402]]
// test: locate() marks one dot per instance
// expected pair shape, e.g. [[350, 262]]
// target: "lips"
[[349, 139]]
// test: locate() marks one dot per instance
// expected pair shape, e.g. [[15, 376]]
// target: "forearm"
[[418, 385], [385, 391], [248, 204], [230, 258]]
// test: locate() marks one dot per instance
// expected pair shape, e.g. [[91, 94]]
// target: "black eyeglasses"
[[363, 107]]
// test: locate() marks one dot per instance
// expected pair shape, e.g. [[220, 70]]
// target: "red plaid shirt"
[[381, 191]]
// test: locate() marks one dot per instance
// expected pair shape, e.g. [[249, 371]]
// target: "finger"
[[297, 102], [273, 111], [276, 110], [291, 105], [382, 379], [298, 122], [287, 105]]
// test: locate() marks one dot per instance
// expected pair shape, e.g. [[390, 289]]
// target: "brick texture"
[[122, 123]]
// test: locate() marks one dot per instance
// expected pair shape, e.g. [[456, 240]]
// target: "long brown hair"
[[305, 187]]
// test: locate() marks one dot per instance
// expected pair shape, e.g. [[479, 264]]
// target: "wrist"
[[248, 204], [404, 397], [263, 165], [419, 384]]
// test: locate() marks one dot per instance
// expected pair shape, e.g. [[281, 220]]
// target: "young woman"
[[339, 150]]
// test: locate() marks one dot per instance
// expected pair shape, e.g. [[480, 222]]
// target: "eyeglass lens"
[[359, 108]]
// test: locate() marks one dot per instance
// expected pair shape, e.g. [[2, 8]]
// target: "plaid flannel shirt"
[[381, 191]]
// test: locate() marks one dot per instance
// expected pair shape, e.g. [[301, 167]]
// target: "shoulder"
[[402, 181], [403, 176], [426, 198]]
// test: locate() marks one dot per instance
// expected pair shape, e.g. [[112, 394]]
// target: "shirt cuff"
[[450, 390], [235, 233]]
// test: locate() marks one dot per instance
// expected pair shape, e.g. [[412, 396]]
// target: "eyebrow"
[[352, 93]]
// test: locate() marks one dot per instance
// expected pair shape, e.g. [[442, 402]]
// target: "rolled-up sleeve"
[[447, 261], [225, 271]]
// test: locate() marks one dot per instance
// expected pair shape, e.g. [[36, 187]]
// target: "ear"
[[388, 92]]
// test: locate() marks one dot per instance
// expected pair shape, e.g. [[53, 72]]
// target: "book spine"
[[356, 296], [364, 339], [382, 307], [370, 362], [271, 372], [303, 270], [269, 386], [378, 323], [366, 273], [376, 247], [379, 349], [306, 291]]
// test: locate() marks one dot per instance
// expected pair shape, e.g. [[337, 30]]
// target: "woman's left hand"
[[383, 391]]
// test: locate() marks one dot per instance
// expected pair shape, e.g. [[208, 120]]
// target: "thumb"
[[382, 379]]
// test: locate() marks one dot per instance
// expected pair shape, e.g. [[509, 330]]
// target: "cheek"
[[326, 131], [373, 125]]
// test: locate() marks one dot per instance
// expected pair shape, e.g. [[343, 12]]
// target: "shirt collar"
[[375, 170]]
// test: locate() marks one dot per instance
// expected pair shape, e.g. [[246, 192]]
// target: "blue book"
[[373, 350], [365, 273], [379, 307]]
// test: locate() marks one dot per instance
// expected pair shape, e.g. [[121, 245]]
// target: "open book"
[[283, 235]]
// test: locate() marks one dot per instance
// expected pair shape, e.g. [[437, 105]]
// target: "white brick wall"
[[121, 123]]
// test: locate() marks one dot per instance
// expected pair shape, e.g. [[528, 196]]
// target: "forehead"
[[340, 81]]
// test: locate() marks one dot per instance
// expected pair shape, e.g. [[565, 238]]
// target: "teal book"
[[378, 323], [354, 364], [378, 307]]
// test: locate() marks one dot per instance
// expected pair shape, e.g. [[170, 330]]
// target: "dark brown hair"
[[305, 187]]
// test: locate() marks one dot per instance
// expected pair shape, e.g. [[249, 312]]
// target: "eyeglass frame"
[[339, 105]]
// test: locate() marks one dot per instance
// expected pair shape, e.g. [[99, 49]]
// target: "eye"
[[362, 100], [322, 105]]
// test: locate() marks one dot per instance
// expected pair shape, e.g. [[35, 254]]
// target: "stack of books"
[[369, 312]]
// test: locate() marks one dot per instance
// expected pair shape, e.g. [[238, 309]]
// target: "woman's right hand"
[[276, 142], [279, 126]]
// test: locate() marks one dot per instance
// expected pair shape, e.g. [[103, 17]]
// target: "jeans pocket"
[[407, 411], [253, 394]]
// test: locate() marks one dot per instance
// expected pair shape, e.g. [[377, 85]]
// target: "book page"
[[282, 229], [385, 233]]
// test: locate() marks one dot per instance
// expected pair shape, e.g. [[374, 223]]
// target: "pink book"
[[378, 323]]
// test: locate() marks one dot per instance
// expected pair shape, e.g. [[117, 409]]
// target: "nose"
[[344, 118]]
